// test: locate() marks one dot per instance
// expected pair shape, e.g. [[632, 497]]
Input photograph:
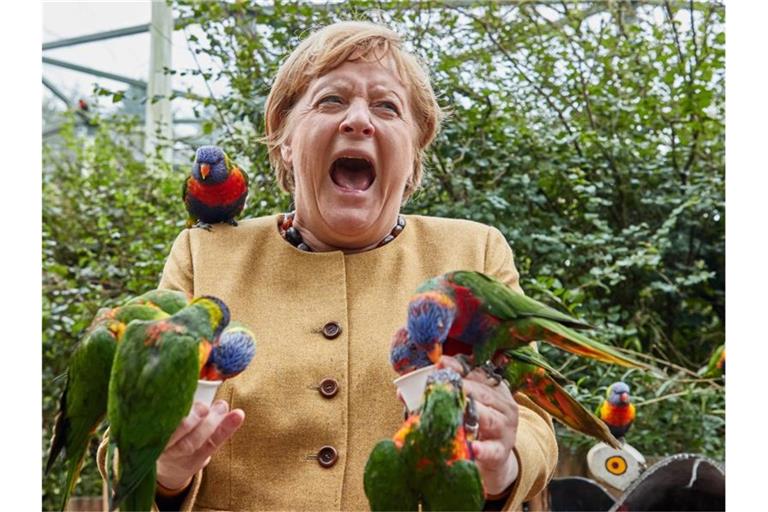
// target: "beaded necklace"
[[292, 235]]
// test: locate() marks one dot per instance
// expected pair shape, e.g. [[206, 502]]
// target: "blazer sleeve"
[[178, 272], [535, 446]]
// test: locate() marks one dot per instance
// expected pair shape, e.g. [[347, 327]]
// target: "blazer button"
[[331, 330], [327, 456], [329, 387]]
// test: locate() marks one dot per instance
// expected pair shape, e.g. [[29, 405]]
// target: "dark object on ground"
[[577, 494], [681, 482]]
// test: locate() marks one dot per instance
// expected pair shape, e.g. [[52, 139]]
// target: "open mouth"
[[353, 173]]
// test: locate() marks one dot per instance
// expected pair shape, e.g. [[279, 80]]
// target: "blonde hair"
[[329, 48]]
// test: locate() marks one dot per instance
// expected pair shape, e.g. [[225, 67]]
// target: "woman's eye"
[[389, 106], [330, 99]]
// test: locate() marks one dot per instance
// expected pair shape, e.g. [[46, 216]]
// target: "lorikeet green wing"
[[525, 375], [153, 380], [500, 301], [459, 487], [523, 319], [169, 301], [83, 404], [386, 479]]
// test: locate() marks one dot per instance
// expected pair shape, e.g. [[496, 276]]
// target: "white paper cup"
[[411, 386], [206, 391]]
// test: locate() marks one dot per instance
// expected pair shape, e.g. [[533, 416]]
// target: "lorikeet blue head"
[[618, 393], [210, 165], [232, 354], [405, 355], [430, 316]]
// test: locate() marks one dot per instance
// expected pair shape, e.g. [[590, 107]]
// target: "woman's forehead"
[[370, 74]]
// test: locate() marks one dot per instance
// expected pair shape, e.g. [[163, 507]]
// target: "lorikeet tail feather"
[[60, 429], [74, 464], [132, 491], [550, 396], [572, 341], [143, 495]]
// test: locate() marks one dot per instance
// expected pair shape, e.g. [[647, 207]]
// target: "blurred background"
[[591, 134]]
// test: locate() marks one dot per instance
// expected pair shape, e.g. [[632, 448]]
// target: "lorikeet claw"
[[463, 360], [491, 372], [232, 222], [203, 225], [471, 419]]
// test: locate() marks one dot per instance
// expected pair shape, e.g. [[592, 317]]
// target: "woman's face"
[[351, 146]]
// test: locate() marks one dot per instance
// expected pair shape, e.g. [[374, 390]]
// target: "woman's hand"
[[498, 414], [198, 436]]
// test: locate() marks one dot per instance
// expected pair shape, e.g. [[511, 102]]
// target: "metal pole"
[[158, 127]]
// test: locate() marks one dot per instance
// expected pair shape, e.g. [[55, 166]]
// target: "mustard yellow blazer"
[[328, 318]]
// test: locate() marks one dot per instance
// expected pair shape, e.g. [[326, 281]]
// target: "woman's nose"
[[357, 121]]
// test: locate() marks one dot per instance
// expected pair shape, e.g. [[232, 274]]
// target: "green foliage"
[[591, 134]]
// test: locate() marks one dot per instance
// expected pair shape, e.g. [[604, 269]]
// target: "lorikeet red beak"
[[624, 397], [205, 169]]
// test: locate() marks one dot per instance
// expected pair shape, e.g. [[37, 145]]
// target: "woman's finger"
[[196, 415], [191, 443], [452, 363], [494, 425], [228, 426], [498, 397], [490, 454]]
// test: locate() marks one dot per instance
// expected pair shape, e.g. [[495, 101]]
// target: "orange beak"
[[436, 353], [205, 170], [204, 352]]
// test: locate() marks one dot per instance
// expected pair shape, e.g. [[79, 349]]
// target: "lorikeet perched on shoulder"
[[151, 388], [83, 403], [216, 190], [429, 460], [469, 312], [617, 411]]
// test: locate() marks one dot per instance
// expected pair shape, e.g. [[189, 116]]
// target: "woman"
[[348, 119]]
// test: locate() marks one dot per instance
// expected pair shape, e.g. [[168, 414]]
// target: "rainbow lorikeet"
[[429, 461], [469, 312], [405, 355], [230, 353], [151, 388], [83, 403], [529, 373], [617, 411], [216, 190], [525, 371], [716, 366]]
